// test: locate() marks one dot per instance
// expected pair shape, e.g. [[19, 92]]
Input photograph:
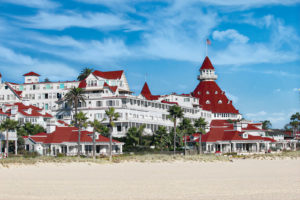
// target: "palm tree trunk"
[[200, 143], [94, 147], [110, 144], [184, 144], [79, 146], [174, 136], [76, 107], [6, 151]]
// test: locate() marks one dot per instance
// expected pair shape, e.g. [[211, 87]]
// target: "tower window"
[[207, 102], [220, 102], [216, 92], [207, 92]]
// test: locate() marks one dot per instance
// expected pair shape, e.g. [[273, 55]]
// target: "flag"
[[208, 42]]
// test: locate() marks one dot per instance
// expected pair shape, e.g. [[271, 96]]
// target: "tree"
[[161, 138], [175, 112], [187, 129], [132, 137], [295, 122], [47, 80], [81, 119], [29, 129], [84, 73], [200, 125], [96, 125], [73, 97], [7, 125], [266, 124], [112, 117]]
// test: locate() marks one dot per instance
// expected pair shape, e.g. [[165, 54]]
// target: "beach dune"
[[241, 179]]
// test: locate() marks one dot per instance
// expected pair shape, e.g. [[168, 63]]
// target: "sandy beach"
[[241, 179]]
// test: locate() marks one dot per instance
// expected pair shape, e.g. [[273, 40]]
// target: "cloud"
[[258, 114], [231, 34], [46, 4], [46, 20], [232, 97], [13, 63]]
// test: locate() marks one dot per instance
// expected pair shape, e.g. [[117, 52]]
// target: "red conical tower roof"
[[207, 64], [147, 93]]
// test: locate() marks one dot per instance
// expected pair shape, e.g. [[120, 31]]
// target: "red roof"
[[168, 102], [109, 75], [35, 111], [18, 93], [67, 134], [112, 88], [147, 93], [211, 97], [82, 84], [31, 74], [206, 64]]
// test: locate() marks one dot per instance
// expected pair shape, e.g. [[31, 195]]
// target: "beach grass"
[[145, 157]]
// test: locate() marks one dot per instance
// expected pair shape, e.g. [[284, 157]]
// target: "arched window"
[[220, 102], [207, 102], [216, 92], [207, 92]]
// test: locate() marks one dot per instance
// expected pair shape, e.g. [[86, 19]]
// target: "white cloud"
[[13, 64], [46, 4], [258, 114], [231, 34], [232, 97], [46, 20]]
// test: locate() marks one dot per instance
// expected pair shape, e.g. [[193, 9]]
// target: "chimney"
[[51, 127]]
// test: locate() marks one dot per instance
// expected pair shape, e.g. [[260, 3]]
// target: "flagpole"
[[205, 48]]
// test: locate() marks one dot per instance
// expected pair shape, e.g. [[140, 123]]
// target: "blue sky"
[[255, 46]]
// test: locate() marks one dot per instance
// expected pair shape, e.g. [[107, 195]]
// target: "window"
[[216, 92], [48, 86], [21, 88], [207, 92], [99, 103], [220, 102], [186, 99], [119, 128], [61, 86], [207, 102]]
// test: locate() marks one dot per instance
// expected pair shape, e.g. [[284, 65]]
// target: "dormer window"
[[220, 102], [207, 102], [207, 92], [199, 92], [216, 92]]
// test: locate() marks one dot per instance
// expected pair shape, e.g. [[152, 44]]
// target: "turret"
[[31, 77], [207, 71]]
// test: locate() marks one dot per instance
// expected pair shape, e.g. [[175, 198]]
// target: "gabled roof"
[[31, 74], [17, 93], [109, 75], [211, 97], [147, 93], [35, 111], [67, 134], [112, 88], [207, 64]]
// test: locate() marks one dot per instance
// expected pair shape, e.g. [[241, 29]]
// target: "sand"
[[241, 179]]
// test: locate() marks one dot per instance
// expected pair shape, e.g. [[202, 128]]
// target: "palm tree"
[[175, 112], [73, 97], [84, 73], [97, 127], [187, 128], [81, 119], [7, 125], [295, 122], [266, 124], [200, 124], [112, 117], [161, 138]]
